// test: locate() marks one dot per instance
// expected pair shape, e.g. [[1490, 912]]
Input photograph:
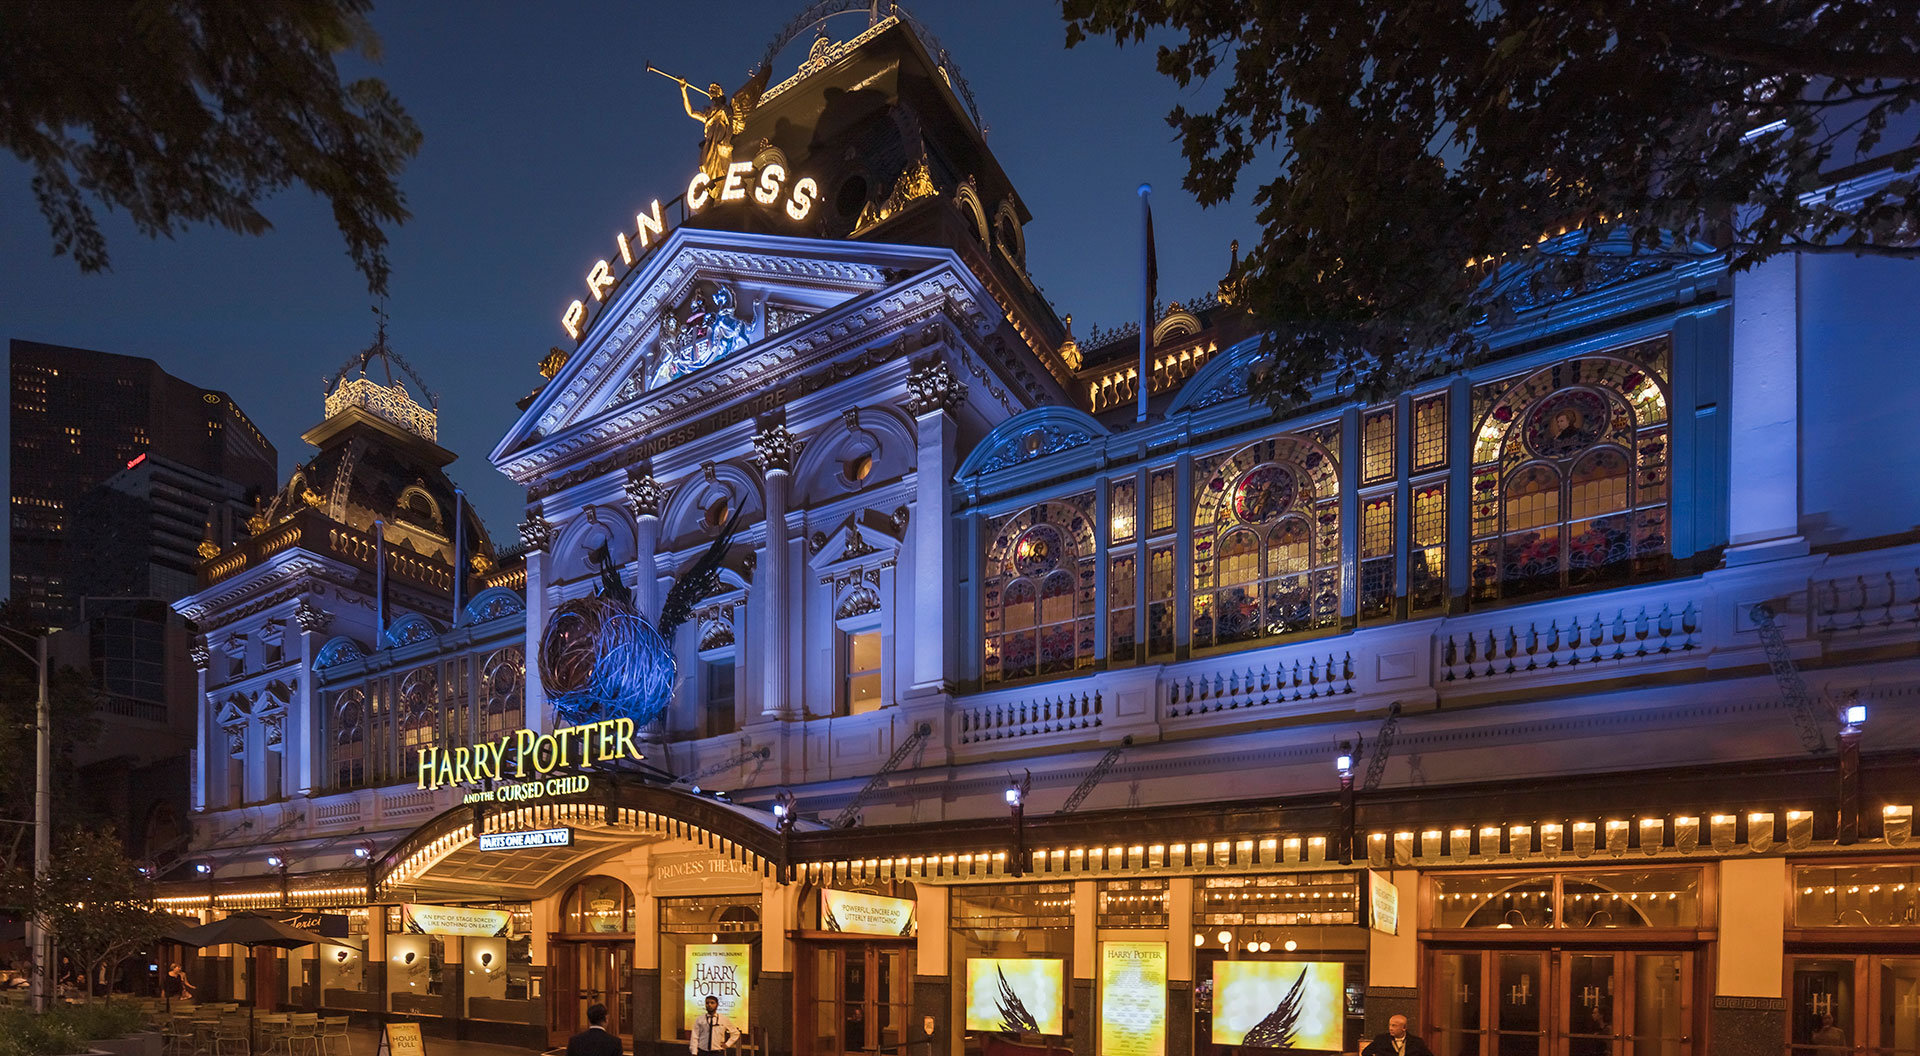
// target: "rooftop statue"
[[722, 117]]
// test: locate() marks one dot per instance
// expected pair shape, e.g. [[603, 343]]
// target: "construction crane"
[[1095, 775], [761, 753], [851, 811], [1792, 687], [1382, 745]]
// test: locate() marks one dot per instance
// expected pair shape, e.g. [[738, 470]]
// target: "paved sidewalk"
[[366, 1040]]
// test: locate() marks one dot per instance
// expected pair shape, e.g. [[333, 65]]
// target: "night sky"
[[544, 133]]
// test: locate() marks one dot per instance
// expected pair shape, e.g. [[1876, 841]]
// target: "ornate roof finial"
[[209, 547], [1070, 348]]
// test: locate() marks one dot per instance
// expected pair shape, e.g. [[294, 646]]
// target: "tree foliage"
[[95, 901], [184, 112], [1424, 147]]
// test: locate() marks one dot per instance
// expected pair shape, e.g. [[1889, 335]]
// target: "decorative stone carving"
[[857, 545], [645, 496], [535, 532], [200, 656], [900, 517], [859, 601], [274, 726], [776, 448], [932, 386], [311, 619], [816, 542], [1037, 442], [236, 740]]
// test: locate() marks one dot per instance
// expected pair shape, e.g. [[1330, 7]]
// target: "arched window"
[[597, 905], [350, 738], [1570, 475], [1266, 543], [503, 680], [419, 716], [1039, 592]]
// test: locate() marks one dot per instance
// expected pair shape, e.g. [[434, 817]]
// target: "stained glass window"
[[1160, 492], [503, 680], [1120, 633], [1570, 474], [418, 714], [1039, 591], [1160, 618], [1122, 511], [1376, 446], [1429, 433], [1266, 542], [350, 738], [1376, 555], [1427, 564]]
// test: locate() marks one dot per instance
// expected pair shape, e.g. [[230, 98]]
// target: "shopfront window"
[[1598, 899], [346, 980], [1132, 904], [1859, 896], [418, 981], [1023, 934], [497, 970], [714, 942], [1255, 937]]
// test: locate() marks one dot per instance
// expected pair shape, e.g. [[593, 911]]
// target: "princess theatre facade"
[[1566, 703]]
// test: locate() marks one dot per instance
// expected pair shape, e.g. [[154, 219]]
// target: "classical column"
[[537, 535], [203, 737], [932, 394], [775, 448], [305, 743], [644, 498], [1764, 410]]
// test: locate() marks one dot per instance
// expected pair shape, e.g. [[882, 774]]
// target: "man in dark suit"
[[595, 1040], [1396, 1042]]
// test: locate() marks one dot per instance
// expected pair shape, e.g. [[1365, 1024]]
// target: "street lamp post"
[[42, 813]]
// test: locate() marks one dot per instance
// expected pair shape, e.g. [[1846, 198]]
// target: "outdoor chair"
[[303, 1034], [270, 1031], [231, 1037], [334, 1039]]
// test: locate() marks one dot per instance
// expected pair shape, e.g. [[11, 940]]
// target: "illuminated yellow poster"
[[1133, 999], [1015, 995], [719, 970], [858, 914], [1279, 1004], [1383, 903], [455, 920]]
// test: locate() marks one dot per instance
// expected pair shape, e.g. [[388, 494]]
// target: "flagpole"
[[1147, 269], [459, 549], [380, 578]]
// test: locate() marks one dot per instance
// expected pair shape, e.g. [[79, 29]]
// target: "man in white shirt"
[[711, 1032]]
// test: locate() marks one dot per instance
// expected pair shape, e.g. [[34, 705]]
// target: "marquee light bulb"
[[1199, 940], [1292, 946], [1225, 937]]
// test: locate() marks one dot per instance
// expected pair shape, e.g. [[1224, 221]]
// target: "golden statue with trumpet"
[[722, 117]]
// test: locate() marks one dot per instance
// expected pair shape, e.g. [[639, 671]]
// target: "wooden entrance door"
[[585, 974], [853, 997]]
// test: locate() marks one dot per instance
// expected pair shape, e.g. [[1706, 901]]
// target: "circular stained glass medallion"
[[1039, 550], [1263, 493], [1565, 423]]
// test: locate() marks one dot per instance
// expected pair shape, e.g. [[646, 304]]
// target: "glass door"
[[606, 978], [1897, 998], [1864, 1003], [859, 999], [563, 994], [1561, 1003], [1519, 1006]]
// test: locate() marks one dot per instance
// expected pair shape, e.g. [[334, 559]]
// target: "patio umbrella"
[[251, 930]]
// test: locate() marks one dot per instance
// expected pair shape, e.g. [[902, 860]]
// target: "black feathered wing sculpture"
[[1276, 1030], [600, 658], [1014, 1017]]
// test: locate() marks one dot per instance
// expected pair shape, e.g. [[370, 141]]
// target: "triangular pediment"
[[711, 306]]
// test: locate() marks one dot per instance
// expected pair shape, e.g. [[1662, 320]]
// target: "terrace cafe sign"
[[767, 187], [528, 753]]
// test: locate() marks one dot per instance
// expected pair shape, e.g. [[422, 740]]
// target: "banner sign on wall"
[[719, 970], [332, 925], [1280, 1004], [525, 838], [858, 914], [455, 920], [1133, 999], [1383, 903]]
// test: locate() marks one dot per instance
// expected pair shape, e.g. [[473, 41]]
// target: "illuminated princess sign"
[[525, 753], [767, 187]]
